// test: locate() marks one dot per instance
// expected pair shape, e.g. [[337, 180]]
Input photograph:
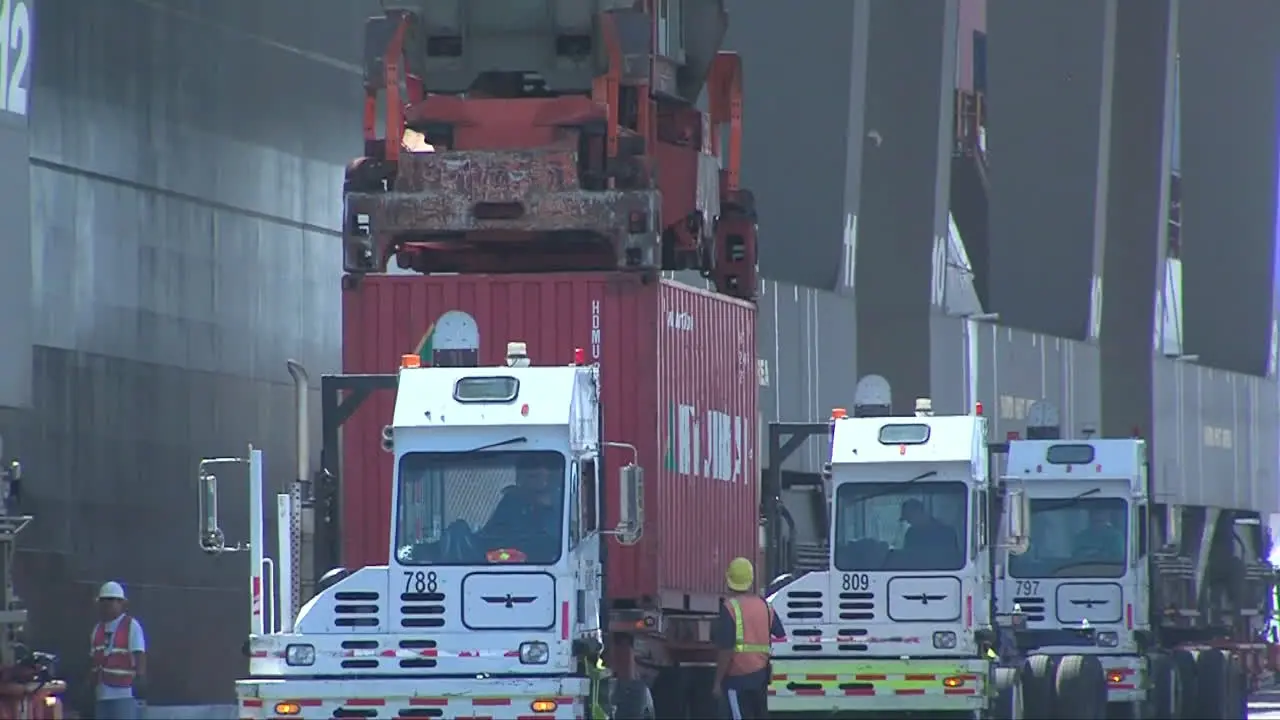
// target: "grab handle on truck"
[[213, 540], [630, 526]]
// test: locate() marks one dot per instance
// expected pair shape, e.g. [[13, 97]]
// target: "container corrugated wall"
[[707, 387], [671, 358]]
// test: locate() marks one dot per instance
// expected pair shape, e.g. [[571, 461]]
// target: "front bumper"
[[880, 685], [495, 698]]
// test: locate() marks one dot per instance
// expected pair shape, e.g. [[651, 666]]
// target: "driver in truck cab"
[[928, 539], [529, 511], [1101, 540]]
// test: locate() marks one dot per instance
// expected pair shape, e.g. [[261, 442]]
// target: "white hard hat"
[[111, 591]]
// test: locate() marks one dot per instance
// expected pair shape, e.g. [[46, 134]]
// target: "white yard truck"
[[899, 617], [494, 617], [1120, 619]]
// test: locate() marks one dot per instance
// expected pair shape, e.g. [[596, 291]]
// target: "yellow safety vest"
[[739, 636]]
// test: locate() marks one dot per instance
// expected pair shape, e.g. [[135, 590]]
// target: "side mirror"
[[1017, 519], [630, 504], [212, 539]]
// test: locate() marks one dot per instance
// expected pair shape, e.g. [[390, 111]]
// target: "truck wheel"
[[1038, 695], [1235, 702], [1184, 670], [632, 701], [1163, 697], [1081, 688], [1211, 671], [1008, 703]]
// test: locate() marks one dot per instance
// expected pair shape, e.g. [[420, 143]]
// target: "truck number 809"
[[856, 582]]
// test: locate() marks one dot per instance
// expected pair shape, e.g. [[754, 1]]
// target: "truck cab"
[[489, 604], [1082, 586], [902, 619]]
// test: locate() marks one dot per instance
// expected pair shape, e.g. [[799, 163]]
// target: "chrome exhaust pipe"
[[302, 390]]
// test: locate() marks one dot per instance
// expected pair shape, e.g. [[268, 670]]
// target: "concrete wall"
[[185, 174], [1229, 175], [802, 133]]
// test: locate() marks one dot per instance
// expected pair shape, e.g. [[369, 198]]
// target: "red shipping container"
[[679, 381]]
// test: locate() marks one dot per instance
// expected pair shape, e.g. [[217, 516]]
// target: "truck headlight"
[[300, 655], [1107, 639], [534, 653], [944, 640]]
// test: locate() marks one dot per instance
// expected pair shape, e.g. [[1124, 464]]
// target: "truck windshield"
[[1084, 537], [900, 527], [498, 507]]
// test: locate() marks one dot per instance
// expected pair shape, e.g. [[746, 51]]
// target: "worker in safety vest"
[[742, 634], [119, 654]]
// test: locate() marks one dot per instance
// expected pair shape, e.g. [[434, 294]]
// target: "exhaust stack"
[[289, 508]]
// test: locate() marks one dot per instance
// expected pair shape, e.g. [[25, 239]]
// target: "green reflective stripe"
[[739, 636]]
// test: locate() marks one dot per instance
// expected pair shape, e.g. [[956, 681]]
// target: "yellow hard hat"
[[740, 575]]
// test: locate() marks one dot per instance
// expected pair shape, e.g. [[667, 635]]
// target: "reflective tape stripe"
[[472, 707], [739, 633], [799, 678]]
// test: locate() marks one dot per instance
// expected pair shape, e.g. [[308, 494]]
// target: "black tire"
[[1212, 693], [1160, 702], [1038, 695], [1009, 702], [632, 700], [1184, 671], [1236, 702], [1081, 688]]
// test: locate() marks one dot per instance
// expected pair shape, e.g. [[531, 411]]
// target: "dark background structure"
[[174, 186]]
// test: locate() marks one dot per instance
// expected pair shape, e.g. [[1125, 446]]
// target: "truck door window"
[[575, 519], [1142, 532], [588, 508], [981, 510]]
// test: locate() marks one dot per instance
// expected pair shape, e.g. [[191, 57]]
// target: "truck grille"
[[851, 640], [804, 605], [356, 609], [857, 606], [425, 648], [360, 663], [413, 654], [1032, 607], [806, 640], [422, 610]]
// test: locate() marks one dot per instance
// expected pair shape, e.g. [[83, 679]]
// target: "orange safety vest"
[[114, 661], [752, 621]]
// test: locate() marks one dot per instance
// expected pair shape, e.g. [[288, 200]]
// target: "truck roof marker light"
[[839, 413], [977, 408], [408, 362], [579, 357]]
